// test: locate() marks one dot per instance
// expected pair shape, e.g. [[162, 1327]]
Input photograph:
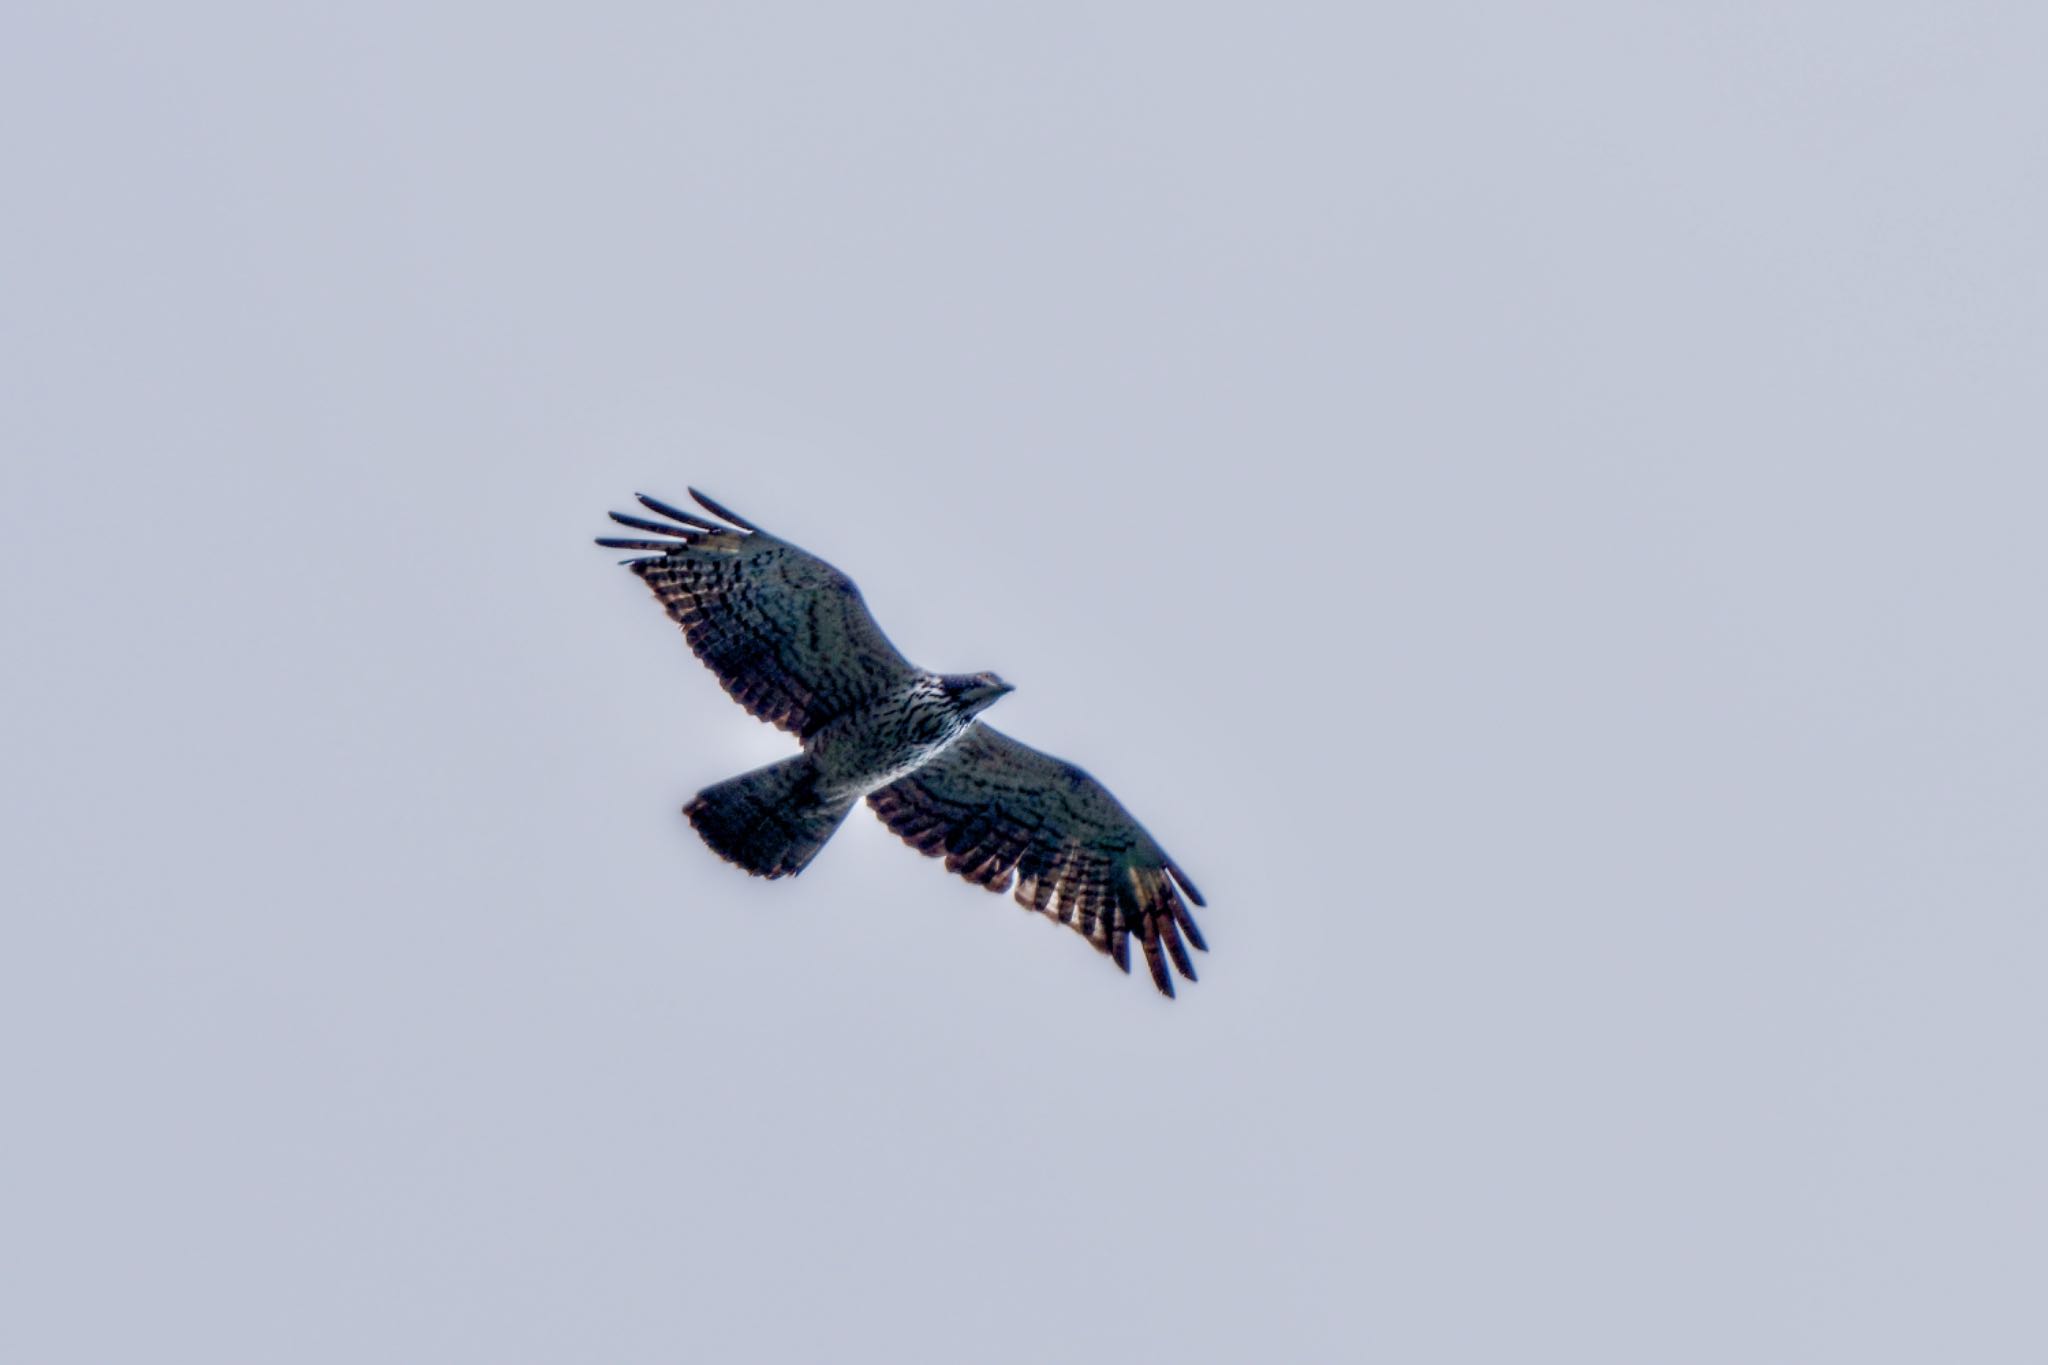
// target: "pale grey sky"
[[1539, 507]]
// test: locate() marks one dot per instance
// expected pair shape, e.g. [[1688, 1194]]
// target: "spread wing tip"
[[687, 524], [717, 511], [677, 514], [1155, 960], [1187, 887], [684, 528]]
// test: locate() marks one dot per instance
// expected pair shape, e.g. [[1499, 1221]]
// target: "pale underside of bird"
[[791, 640]]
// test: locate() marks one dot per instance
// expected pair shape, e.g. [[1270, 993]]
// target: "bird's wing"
[[786, 633], [994, 808]]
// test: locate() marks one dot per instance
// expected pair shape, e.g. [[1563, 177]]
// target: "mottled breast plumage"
[[881, 740]]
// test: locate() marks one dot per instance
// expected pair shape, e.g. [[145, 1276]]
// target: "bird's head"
[[975, 692]]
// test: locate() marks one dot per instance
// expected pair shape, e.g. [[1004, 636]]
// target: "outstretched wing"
[[786, 633], [993, 807]]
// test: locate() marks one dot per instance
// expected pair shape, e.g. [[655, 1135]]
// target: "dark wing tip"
[[1156, 961], [1187, 887], [675, 514], [1169, 930], [718, 511], [684, 535]]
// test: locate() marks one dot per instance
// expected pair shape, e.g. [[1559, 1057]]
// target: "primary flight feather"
[[790, 638]]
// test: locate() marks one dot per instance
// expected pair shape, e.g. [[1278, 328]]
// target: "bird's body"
[[887, 738], [791, 640]]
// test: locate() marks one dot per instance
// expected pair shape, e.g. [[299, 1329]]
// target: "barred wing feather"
[[787, 635], [1001, 812]]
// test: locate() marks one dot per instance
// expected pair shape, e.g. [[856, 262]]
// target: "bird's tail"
[[769, 821]]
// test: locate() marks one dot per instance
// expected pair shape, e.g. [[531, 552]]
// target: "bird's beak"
[[989, 694]]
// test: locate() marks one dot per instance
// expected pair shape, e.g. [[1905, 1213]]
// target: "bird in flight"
[[790, 639]]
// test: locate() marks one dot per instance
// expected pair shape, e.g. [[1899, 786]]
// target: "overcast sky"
[[1539, 507]]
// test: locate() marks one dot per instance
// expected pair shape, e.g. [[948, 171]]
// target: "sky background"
[[1540, 508]]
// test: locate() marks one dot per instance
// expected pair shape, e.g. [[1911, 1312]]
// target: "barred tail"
[[768, 821]]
